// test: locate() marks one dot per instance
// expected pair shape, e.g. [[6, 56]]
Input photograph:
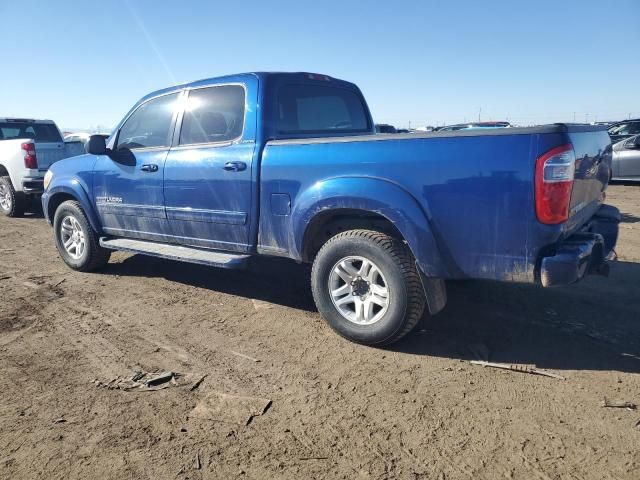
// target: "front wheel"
[[75, 239], [367, 287]]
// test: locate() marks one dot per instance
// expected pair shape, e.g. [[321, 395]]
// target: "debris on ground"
[[609, 404], [226, 408], [198, 464], [261, 305], [197, 383], [518, 368], [242, 355], [146, 381]]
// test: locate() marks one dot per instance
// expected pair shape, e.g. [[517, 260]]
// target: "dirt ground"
[[418, 410]]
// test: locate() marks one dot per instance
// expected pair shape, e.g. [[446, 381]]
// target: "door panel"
[[130, 200], [208, 176], [206, 204], [629, 163], [129, 184]]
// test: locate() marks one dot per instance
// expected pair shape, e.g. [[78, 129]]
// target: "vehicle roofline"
[[235, 77]]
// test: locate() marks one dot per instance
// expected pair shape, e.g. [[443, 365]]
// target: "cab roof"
[[262, 76]]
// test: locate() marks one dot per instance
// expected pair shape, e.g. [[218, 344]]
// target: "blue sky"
[[84, 64]]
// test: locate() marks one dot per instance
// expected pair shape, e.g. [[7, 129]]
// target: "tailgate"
[[48, 153], [593, 166]]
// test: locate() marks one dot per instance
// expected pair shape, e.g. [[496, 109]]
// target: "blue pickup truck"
[[289, 164]]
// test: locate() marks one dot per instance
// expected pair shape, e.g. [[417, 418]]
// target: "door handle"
[[235, 166], [149, 167]]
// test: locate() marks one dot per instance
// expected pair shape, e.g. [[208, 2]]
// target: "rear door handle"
[[149, 167], [235, 166]]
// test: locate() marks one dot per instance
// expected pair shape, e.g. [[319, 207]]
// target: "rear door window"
[[320, 109], [150, 124], [213, 114], [40, 132]]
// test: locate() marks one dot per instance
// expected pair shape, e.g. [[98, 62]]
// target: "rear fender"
[[375, 196], [76, 188]]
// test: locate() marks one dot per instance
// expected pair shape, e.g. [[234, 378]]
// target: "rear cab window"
[[39, 132], [319, 109]]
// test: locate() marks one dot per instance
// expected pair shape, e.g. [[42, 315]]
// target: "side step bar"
[[176, 252]]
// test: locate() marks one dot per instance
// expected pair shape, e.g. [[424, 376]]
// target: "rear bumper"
[[33, 185], [585, 252]]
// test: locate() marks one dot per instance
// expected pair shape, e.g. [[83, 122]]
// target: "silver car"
[[626, 159]]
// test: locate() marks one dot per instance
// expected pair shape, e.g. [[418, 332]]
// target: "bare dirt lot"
[[418, 410]]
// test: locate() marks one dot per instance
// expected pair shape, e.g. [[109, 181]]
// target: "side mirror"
[[124, 156], [96, 145]]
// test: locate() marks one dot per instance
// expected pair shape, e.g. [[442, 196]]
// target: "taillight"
[[30, 159], [554, 181]]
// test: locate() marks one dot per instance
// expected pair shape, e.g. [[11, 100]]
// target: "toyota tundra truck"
[[288, 164], [27, 149]]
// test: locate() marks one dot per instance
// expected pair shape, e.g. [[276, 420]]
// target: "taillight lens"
[[554, 181], [30, 159]]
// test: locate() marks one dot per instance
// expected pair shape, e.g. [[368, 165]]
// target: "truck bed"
[[475, 190]]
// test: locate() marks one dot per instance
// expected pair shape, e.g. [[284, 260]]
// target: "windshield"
[[40, 132]]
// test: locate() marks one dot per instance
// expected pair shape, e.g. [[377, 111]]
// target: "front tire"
[[12, 203], [76, 240], [367, 287]]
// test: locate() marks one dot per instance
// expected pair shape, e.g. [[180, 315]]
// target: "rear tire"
[[76, 240], [12, 203], [360, 270]]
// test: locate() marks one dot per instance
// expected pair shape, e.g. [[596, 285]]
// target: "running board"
[[176, 252]]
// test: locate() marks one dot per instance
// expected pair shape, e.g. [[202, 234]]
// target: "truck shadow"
[[594, 325], [275, 280]]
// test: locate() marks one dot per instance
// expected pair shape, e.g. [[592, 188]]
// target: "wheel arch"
[[357, 202], [61, 193]]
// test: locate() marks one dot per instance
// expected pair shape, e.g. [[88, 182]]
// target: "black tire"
[[94, 256], [395, 261], [17, 200]]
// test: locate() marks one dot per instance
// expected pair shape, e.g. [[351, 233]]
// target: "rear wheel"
[[367, 287], [75, 239], [12, 203]]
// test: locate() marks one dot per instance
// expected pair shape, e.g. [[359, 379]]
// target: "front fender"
[[370, 195], [70, 186]]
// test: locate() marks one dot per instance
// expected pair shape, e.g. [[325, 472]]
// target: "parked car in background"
[[82, 137], [199, 173], [27, 149], [626, 159], [625, 129], [473, 125], [385, 128]]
